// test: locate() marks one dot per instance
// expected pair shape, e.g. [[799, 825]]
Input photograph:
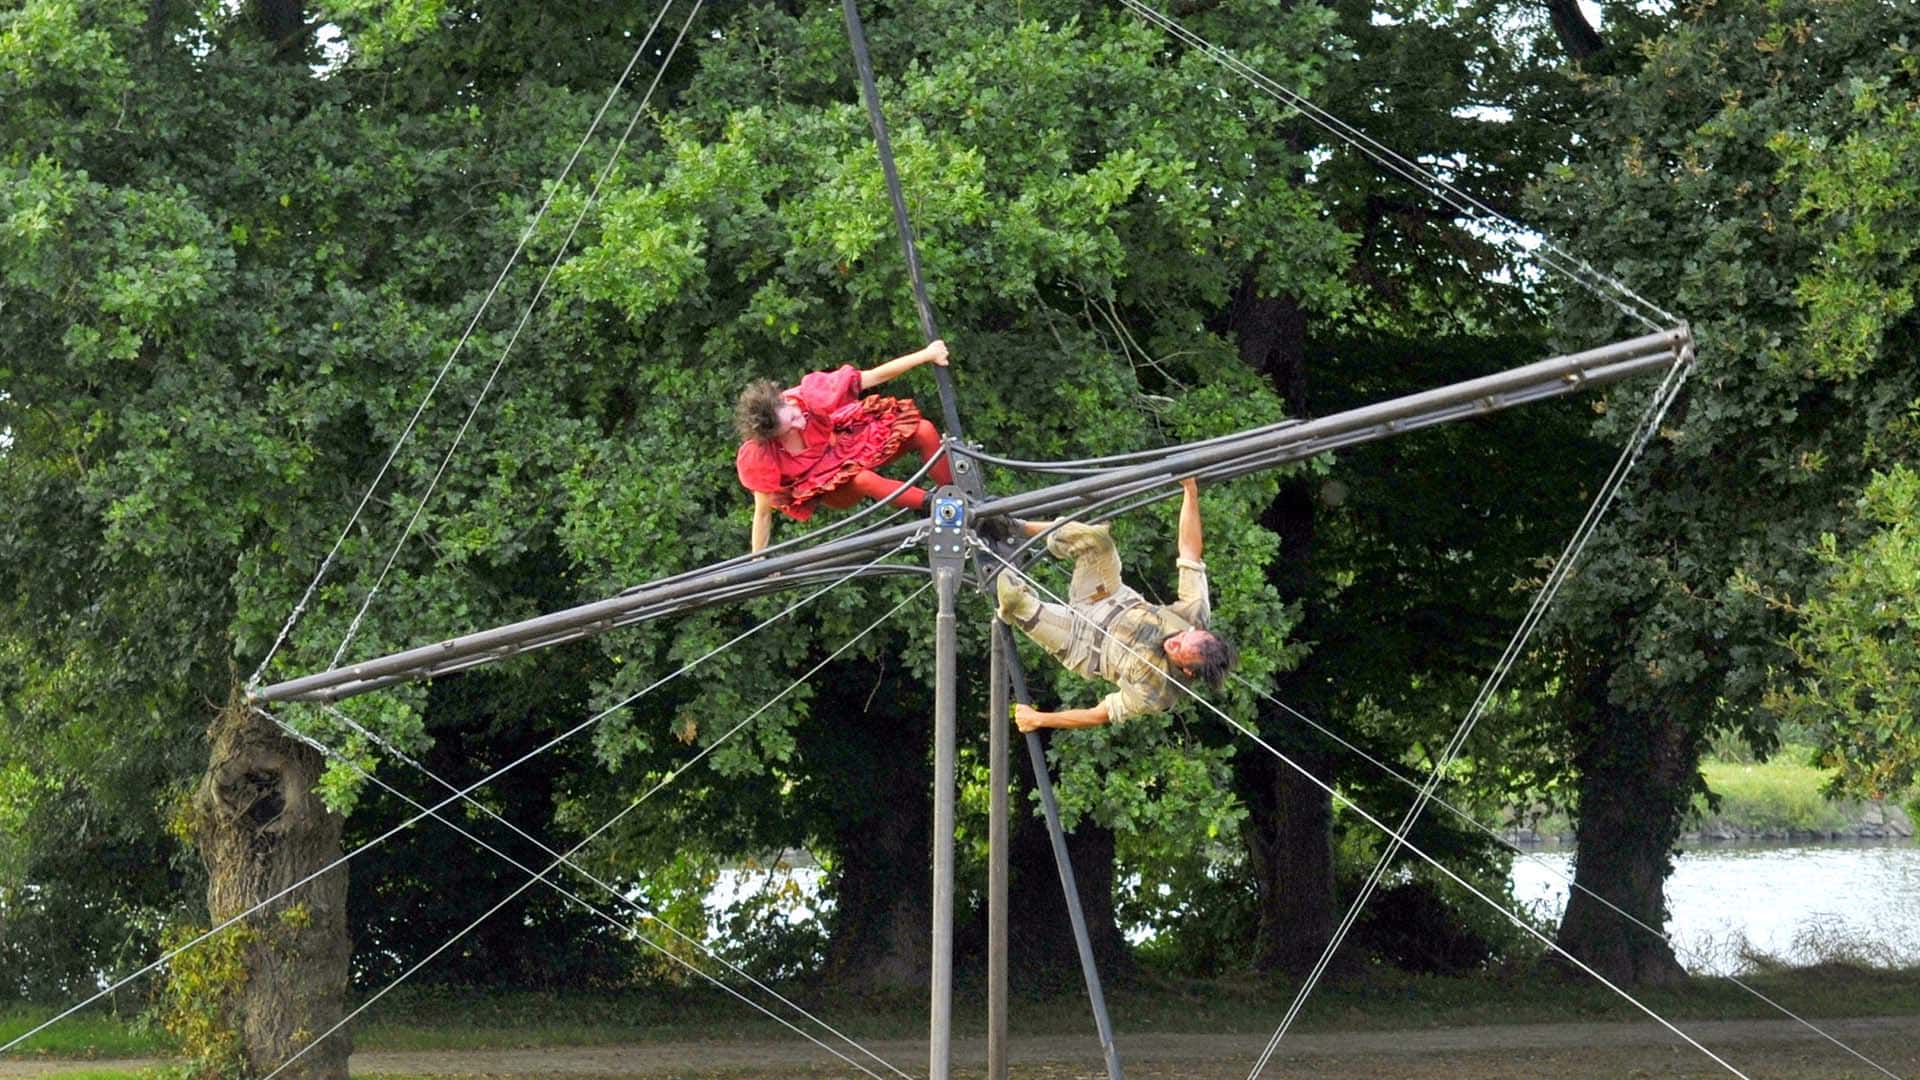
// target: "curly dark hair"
[[1217, 657], [756, 416]]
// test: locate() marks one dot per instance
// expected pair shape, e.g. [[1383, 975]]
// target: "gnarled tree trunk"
[[1289, 823], [1637, 772], [878, 754], [262, 828]]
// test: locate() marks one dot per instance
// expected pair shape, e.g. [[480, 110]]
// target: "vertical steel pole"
[[1043, 782], [997, 778], [947, 552], [940, 1049]]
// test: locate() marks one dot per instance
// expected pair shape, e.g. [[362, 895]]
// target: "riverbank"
[[430, 1020], [1778, 801]]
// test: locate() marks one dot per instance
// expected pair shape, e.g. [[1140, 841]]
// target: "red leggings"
[[867, 484]]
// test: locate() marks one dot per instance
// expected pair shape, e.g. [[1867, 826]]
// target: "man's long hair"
[[1217, 657], [756, 416]]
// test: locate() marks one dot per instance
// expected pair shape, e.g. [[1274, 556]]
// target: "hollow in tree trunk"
[[262, 828]]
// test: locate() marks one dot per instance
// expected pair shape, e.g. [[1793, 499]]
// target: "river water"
[[1802, 904]]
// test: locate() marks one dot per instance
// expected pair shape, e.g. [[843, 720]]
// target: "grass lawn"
[[85, 1034], [433, 1020]]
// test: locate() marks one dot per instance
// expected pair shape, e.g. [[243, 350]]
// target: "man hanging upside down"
[[1107, 630]]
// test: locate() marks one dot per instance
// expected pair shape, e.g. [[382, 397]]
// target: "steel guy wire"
[[1089, 466], [1657, 406], [1574, 267], [566, 859], [412, 422], [566, 245], [468, 790], [1399, 838], [395, 751], [1535, 859], [629, 928], [1411, 171], [568, 855], [815, 535]]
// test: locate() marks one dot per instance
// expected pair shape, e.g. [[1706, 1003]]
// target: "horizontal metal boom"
[[1215, 458]]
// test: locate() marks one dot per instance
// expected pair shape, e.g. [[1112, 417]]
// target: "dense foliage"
[[1749, 161], [234, 258]]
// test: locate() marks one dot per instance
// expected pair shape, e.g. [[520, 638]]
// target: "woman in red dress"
[[819, 443]]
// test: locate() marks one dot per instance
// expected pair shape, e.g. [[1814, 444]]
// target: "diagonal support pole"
[[1043, 783], [967, 478], [998, 779]]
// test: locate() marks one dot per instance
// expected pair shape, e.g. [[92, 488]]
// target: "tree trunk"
[[262, 827], [883, 887], [1288, 831], [1637, 775], [283, 23], [1290, 852], [1039, 930]]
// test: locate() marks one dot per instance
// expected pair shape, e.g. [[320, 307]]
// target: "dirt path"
[[1771, 1049]]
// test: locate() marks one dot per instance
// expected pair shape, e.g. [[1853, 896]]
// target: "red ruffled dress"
[[846, 434]]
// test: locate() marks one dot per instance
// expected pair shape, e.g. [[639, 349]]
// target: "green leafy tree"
[[1695, 182], [1426, 540], [1860, 692], [230, 269], [1858, 673]]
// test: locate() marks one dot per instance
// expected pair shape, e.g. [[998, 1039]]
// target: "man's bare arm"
[[1028, 718], [1190, 541]]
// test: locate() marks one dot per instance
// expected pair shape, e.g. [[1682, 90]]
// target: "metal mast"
[[968, 480]]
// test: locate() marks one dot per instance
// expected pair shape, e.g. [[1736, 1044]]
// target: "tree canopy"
[[236, 254]]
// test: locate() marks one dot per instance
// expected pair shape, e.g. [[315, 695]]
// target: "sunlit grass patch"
[[1780, 797], [83, 1035]]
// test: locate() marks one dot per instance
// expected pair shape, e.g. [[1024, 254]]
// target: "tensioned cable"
[[1657, 406], [395, 751], [1566, 263], [1104, 508], [566, 245], [817, 534], [1572, 266], [1535, 858], [1383, 827], [525, 235], [629, 928], [622, 898], [443, 804], [1089, 466], [566, 858], [539, 876]]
